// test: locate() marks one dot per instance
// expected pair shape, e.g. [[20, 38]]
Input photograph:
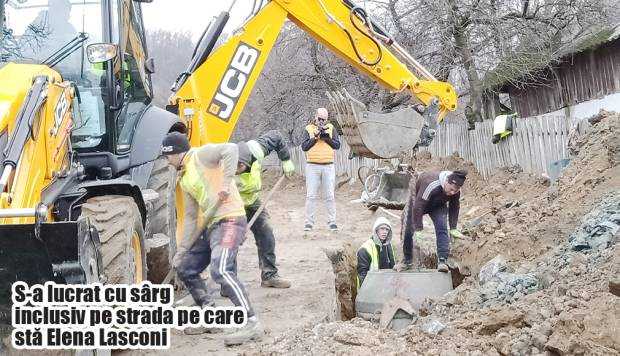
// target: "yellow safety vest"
[[371, 248], [250, 184], [321, 152], [195, 181]]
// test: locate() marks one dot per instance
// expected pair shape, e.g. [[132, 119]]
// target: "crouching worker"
[[211, 199], [436, 194], [377, 252], [249, 183]]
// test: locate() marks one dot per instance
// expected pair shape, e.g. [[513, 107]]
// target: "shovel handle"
[[170, 274], [265, 201]]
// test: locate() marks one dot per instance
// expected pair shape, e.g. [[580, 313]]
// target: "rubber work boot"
[[275, 282], [253, 331], [442, 265], [403, 266]]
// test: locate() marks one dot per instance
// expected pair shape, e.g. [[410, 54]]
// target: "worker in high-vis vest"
[[319, 141], [249, 183], [502, 126], [377, 252], [213, 227]]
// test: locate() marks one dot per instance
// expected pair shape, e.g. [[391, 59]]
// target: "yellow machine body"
[[45, 154], [213, 97]]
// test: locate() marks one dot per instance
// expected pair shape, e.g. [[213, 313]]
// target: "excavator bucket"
[[392, 191], [375, 135], [62, 252]]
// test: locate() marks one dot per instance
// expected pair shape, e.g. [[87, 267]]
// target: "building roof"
[[512, 68]]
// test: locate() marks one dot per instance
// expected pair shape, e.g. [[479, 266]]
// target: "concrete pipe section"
[[383, 286]]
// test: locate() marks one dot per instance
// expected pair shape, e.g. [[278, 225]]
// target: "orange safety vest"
[[321, 152]]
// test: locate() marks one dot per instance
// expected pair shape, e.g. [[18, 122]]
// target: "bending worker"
[[249, 183], [436, 194], [206, 179], [377, 252]]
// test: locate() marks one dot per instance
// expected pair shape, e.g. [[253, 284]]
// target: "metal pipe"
[[413, 62], [18, 213], [6, 173]]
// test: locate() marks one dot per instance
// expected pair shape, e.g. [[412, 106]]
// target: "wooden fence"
[[534, 144]]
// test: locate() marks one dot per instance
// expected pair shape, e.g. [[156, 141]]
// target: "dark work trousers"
[[217, 248], [439, 216], [265, 241]]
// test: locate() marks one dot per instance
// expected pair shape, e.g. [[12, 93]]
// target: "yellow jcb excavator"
[[84, 192]]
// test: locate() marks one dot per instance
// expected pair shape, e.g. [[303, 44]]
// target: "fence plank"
[[533, 145]]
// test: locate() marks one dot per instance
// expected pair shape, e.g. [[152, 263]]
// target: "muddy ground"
[[552, 288], [300, 258]]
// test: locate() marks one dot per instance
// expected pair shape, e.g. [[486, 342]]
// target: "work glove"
[[456, 234], [288, 167]]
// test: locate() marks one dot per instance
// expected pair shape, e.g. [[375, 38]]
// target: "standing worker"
[[319, 141], [206, 179], [437, 194], [249, 183], [377, 252]]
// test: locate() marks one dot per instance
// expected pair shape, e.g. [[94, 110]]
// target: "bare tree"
[[161, 44], [470, 38]]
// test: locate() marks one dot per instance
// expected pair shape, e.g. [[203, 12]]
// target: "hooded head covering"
[[381, 221], [249, 152]]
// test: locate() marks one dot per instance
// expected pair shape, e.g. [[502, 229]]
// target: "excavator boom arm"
[[213, 95]]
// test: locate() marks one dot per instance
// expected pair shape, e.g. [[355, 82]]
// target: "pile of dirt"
[[532, 289]]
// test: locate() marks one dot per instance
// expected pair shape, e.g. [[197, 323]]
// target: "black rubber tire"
[[161, 220], [118, 221], [163, 217]]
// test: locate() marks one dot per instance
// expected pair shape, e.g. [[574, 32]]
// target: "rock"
[[495, 321], [545, 328], [520, 348], [539, 340], [502, 343], [432, 326], [614, 286], [491, 269], [600, 227], [558, 344]]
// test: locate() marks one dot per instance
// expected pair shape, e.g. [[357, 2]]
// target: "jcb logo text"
[[234, 80]]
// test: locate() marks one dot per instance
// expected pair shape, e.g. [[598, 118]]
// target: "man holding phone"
[[319, 141]]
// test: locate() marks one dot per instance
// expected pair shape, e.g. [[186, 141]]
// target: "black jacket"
[[307, 142], [386, 260], [272, 141], [269, 141]]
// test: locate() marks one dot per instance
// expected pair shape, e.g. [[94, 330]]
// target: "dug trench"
[[539, 268]]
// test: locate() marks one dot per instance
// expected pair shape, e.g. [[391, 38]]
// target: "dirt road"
[[300, 258]]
